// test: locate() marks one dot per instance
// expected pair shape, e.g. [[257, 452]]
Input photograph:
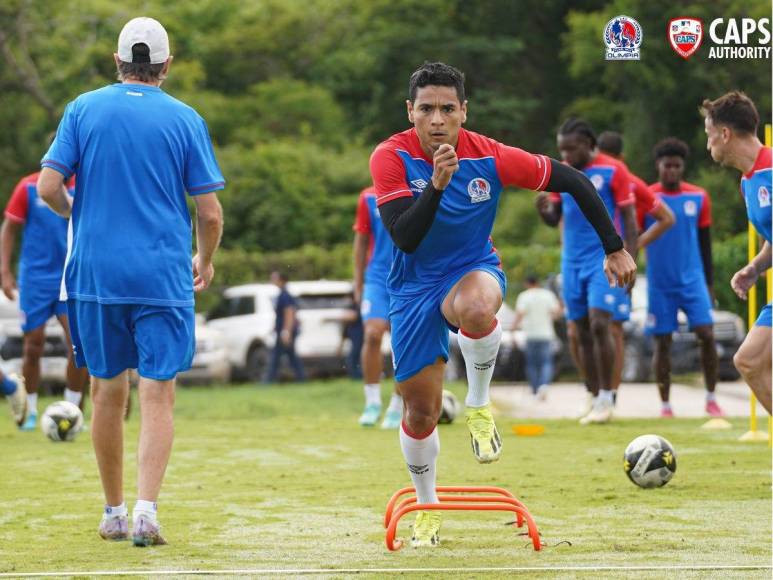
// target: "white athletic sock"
[[114, 511], [421, 457], [605, 396], [480, 355], [73, 397], [710, 397], [145, 508], [666, 406], [32, 403], [373, 394], [396, 403]]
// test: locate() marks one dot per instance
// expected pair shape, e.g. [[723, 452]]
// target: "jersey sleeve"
[[362, 217], [704, 219], [388, 173], [16, 210], [64, 153], [202, 173], [646, 201], [621, 187], [521, 169]]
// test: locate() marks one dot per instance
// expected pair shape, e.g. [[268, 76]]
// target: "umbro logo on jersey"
[[418, 185], [479, 190], [763, 196]]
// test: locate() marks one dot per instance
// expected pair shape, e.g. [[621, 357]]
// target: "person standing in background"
[[287, 330]]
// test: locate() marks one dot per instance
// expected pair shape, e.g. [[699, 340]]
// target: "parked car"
[[246, 317], [210, 361]]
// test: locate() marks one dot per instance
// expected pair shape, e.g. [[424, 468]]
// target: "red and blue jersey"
[[380, 247], [757, 187], [674, 260], [646, 201], [460, 235], [581, 244], [44, 239]]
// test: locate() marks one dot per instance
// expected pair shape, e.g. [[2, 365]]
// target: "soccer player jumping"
[[731, 123], [438, 186]]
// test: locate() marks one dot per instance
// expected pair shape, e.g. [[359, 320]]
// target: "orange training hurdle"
[[498, 499]]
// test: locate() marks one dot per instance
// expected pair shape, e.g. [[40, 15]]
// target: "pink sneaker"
[[666, 413], [714, 410]]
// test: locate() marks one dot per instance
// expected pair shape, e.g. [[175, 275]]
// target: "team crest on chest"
[[690, 208], [479, 190], [597, 181], [763, 196]]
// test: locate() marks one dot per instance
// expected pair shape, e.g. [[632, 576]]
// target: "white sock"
[[710, 397], [480, 355], [373, 394], [666, 405], [73, 397], [421, 457], [114, 511], [396, 403], [605, 396], [32, 403], [145, 508]]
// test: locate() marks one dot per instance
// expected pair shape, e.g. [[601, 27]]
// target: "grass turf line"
[[283, 477]]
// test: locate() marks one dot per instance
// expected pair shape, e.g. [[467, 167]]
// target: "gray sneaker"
[[114, 528], [146, 532]]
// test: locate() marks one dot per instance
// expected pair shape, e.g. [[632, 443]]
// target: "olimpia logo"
[[623, 36]]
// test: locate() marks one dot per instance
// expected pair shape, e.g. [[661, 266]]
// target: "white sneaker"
[[18, 400], [542, 393], [586, 406], [601, 412]]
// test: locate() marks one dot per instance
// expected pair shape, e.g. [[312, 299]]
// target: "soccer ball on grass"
[[649, 461], [62, 421]]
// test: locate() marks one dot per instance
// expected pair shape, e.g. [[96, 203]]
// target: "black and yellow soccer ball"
[[649, 461], [61, 421]]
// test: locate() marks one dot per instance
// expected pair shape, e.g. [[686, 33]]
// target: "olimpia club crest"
[[623, 36], [685, 36]]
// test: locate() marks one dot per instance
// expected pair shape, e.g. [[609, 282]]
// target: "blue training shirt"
[[757, 188], [136, 151], [380, 246]]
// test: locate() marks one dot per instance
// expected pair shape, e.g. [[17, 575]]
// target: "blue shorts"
[[375, 301], [419, 329], [585, 286], [765, 319], [622, 305], [39, 303], [664, 305], [158, 341]]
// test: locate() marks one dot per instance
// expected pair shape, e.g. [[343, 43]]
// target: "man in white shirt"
[[535, 310]]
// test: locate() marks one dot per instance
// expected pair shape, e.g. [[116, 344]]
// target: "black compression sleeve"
[[576, 184], [704, 239], [408, 220]]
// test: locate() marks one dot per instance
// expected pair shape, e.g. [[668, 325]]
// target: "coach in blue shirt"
[[129, 279]]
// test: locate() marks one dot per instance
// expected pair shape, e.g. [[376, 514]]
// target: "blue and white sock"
[[145, 508], [32, 403], [116, 511], [710, 397]]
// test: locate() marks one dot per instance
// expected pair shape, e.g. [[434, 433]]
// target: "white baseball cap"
[[146, 31]]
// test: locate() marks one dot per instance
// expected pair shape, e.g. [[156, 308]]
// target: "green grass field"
[[283, 477]]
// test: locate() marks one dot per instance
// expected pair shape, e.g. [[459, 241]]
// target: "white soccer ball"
[[450, 409], [61, 421], [649, 461]]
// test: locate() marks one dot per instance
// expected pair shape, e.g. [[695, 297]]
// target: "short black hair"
[[531, 279], [611, 142], [670, 147], [140, 68], [575, 125], [733, 109], [437, 74]]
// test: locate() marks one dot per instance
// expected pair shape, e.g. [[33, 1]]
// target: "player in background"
[[731, 123], [679, 272], [372, 261], [12, 388], [589, 300], [41, 263], [438, 186], [130, 278]]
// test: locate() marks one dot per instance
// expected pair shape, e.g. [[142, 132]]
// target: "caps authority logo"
[[685, 35], [744, 38], [623, 37], [479, 190]]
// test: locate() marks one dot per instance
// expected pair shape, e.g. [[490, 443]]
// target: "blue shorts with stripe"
[[585, 286], [664, 306], [419, 329], [38, 303], [158, 341], [622, 305]]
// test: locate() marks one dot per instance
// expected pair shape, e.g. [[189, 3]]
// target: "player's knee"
[[704, 334], [744, 363], [33, 347], [599, 327], [421, 417], [373, 338], [478, 316]]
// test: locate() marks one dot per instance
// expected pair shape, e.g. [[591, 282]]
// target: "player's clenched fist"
[[445, 164]]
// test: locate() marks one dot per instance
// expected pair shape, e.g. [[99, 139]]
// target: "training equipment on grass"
[[496, 499], [61, 421], [450, 409], [649, 461]]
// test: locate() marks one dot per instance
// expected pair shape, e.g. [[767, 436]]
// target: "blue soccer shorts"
[[38, 303], [622, 305], [585, 286], [765, 318], [158, 341], [375, 301], [664, 306], [419, 329]]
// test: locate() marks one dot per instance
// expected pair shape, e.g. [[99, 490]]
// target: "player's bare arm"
[[664, 219], [209, 228], [747, 276], [8, 233], [52, 190], [628, 213], [360, 262]]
